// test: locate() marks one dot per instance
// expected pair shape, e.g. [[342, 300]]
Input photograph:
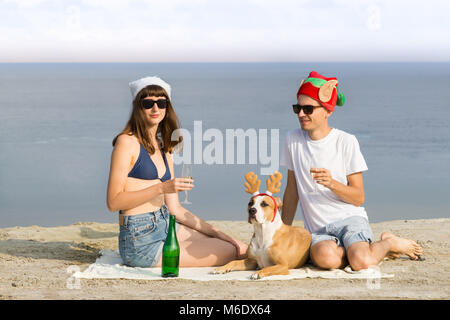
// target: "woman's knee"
[[225, 251], [206, 252], [185, 233]]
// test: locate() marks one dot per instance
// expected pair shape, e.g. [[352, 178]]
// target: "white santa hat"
[[140, 84]]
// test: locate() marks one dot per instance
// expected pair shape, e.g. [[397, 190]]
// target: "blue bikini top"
[[144, 168]]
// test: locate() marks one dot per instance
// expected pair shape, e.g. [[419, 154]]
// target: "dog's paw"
[[221, 270], [256, 276]]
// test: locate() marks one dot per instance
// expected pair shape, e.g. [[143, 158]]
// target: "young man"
[[325, 168]]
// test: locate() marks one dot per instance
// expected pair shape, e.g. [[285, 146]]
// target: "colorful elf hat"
[[322, 89]]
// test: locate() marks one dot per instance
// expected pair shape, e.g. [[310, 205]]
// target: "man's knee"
[[359, 257], [359, 263], [326, 256]]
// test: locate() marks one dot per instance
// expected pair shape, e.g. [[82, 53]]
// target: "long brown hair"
[[138, 127]]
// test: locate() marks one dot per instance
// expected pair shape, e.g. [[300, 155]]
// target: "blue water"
[[57, 122]]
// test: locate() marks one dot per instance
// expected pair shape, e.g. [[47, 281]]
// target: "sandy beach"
[[34, 264]]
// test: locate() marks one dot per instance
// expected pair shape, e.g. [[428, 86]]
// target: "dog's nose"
[[252, 211]]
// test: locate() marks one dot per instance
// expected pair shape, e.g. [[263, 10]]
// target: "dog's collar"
[[274, 202]]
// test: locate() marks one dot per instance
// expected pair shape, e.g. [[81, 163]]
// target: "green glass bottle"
[[171, 252]]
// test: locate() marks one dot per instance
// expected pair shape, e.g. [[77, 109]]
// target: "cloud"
[[106, 4], [201, 30], [24, 3]]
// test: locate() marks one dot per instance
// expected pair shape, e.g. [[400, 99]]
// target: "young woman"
[[143, 188]]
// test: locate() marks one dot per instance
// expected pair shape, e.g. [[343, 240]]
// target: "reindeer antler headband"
[[273, 186]]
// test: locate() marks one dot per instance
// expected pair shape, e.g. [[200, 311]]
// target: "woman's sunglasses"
[[307, 109], [149, 103]]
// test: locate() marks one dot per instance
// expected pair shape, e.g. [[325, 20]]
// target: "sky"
[[224, 31]]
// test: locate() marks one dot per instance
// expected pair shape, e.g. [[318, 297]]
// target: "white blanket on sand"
[[109, 266]]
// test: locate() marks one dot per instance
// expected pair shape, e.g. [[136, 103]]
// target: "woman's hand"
[[241, 248], [177, 184]]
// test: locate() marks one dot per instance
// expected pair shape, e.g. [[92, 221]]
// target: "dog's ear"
[[279, 203]]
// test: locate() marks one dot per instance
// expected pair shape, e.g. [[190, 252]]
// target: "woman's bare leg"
[[199, 250]]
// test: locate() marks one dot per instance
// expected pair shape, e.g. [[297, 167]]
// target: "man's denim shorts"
[[345, 232], [142, 236]]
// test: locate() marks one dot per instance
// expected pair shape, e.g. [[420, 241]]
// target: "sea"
[[58, 120]]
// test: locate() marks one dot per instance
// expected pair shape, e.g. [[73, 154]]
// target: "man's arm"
[[290, 199], [352, 193]]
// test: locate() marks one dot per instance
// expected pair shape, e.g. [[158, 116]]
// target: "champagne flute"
[[313, 166], [186, 172]]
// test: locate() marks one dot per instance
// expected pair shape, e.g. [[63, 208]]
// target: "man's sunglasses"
[[149, 103], [307, 109]]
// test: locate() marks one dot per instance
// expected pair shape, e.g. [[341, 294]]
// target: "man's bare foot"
[[402, 246], [390, 255]]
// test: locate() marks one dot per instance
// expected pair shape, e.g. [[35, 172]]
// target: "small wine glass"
[[186, 172], [313, 165]]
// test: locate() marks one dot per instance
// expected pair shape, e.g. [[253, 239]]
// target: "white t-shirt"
[[339, 153]]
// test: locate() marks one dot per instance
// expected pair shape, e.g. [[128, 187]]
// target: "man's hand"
[[322, 176]]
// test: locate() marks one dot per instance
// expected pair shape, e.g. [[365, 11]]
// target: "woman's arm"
[[183, 215], [190, 220], [117, 198]]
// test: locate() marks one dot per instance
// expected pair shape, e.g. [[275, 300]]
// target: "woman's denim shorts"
[[345, 232], [142, 236]]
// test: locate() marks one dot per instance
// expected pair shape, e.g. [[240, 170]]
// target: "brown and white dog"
[[275, 247]]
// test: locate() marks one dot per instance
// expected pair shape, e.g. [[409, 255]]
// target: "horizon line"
[[210, 62]]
